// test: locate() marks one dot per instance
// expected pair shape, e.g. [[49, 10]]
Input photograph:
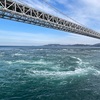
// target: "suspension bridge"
[[15, 11]]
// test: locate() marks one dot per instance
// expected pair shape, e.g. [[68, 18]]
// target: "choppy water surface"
[[28, 73]]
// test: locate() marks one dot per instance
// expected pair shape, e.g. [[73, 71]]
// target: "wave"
[[96, 72], [39, 62], [18, 54], [64, 68], [70, 63], [63, 74], [60, 74], [78, 60], [8, 62]]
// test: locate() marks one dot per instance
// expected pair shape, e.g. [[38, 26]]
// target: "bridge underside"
[[22, 13]]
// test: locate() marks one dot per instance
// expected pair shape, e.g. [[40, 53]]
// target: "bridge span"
[[22, 13]]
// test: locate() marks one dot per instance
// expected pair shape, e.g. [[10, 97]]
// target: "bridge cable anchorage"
[[57, 10]]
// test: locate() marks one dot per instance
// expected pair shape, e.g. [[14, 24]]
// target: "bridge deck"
[[14, 11]]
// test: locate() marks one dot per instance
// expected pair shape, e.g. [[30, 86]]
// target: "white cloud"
[[86, 12]]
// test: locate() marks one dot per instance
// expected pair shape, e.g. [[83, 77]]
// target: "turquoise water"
[[28, 73]]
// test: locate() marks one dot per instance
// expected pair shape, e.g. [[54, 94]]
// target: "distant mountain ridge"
[[98, 44], [59, 45]]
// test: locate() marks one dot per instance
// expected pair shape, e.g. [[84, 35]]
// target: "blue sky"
[[84, 11]]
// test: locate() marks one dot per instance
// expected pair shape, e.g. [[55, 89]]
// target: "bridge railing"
[[18, 12]]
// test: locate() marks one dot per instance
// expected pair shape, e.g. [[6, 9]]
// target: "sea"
[[37, 73]]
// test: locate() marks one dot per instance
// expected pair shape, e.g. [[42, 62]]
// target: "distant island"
[[73, 45]]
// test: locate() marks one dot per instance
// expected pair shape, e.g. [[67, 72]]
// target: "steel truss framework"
[[22, 13]]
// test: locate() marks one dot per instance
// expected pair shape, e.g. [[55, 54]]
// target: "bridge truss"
[[22, 13]]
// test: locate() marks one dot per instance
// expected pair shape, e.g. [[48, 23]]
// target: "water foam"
[[78, 60], [39, 62], [60, 74], [19, 54], [8, 62], [79, 71], [96, 72]]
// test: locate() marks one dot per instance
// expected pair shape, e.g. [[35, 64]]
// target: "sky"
[[85, 12]]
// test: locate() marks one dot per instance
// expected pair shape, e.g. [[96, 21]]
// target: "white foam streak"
[[46, 73], [18, 54], [63, 74], [40, 62], [96, 72], [79, 60]]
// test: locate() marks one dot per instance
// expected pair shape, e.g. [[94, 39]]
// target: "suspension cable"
[[54, 8]]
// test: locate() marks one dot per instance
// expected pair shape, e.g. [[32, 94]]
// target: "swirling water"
[[28, 73]]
